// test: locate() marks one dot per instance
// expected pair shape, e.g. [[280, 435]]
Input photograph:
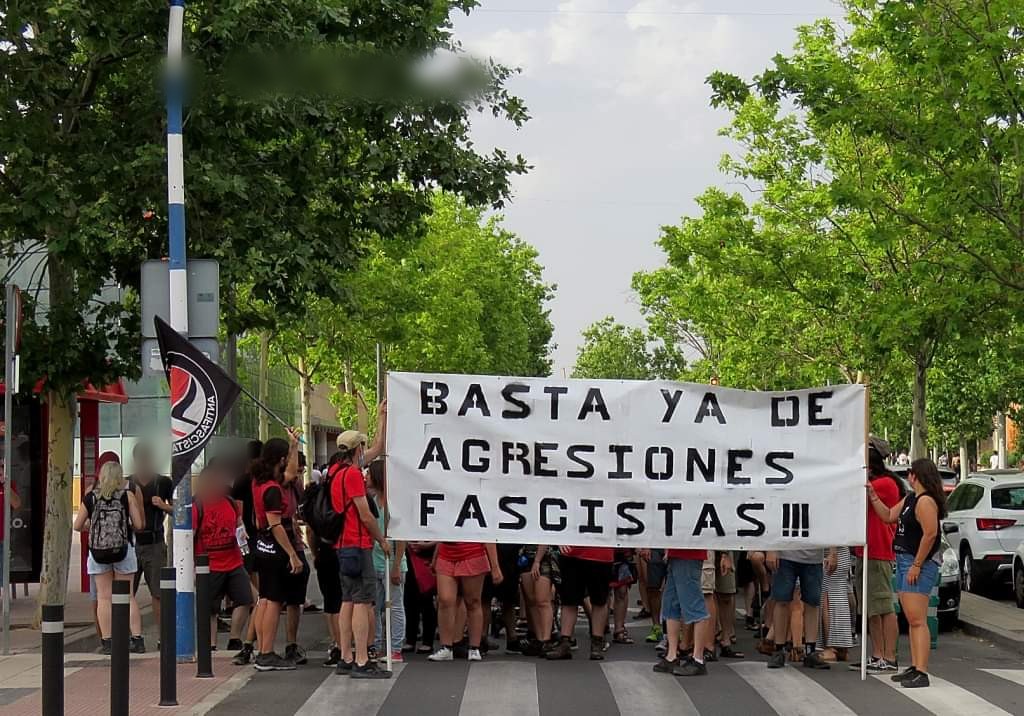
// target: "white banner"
[[624, 463]]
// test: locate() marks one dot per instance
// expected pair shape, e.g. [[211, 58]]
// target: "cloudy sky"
[[622, 138]]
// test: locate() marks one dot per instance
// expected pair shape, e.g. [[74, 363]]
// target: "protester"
[[624, 575], [328, 576], [835, 606], [396, 572], [111, 509], [725, 598], [683, 602], [538, 573], [420, 590], [355, 558], [157, 492], [296, 583], [215, 520], [657, 570], [242, 493], [461, 568], [586, 573], [275, 556], [515, 564], [883, 626], [918, 557], [789, 566]]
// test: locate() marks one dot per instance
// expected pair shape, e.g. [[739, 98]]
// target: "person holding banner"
[[918, 555], [586, 572], [683, 602], [461, 568], [805, 565]]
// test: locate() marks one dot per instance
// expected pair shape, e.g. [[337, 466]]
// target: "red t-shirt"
[[346, 485], [592, 554], [879, 533], [266, 497], [700, 554], [459, 551], [215, 534]]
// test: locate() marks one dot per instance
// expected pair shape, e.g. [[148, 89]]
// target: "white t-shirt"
[[993, 462]]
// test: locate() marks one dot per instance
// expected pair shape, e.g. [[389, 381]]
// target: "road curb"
[[990, 633]]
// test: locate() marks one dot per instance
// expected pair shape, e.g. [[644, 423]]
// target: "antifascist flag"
[[201, 395]]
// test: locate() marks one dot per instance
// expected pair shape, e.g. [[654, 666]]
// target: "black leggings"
[[418, 607]]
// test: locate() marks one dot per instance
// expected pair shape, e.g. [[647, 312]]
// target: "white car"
[[985, 526]]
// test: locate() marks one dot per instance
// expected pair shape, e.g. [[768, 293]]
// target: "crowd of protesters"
[[248, 517]]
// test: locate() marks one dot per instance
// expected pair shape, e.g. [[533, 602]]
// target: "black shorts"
[[657, 569], [584, 578], [507, 593], [744, 570], [273, 574], [328, 577], [295, 589], [234, 585], [361, 589], [249, 560]]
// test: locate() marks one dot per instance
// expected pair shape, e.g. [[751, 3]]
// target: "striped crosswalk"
[[630, 688]]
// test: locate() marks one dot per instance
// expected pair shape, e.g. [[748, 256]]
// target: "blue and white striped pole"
[[183, 561]]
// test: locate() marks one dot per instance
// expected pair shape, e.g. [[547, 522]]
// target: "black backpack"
[[108, 528], [317, 509]]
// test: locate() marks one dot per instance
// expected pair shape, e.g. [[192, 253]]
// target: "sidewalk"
[[998, 622]]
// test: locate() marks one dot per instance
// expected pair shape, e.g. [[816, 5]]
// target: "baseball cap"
[[879, 445], [351, 439]]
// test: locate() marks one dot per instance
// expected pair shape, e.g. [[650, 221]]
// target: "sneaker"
[[562, 651], [872, 662], [777, 660], [880, 666], [344, 668], [333, 658], [474, 655], [445, 653], [105, 647], [138, 645], [726, 651], [273, 662], [295, 654], [710, 656], [369, 670], [891, 665], [573, 644], [396, 657], [372, 653], [408, 648], [234, 644], [244, 656], [517, 646], [816, 661], [662, 648], [654, 636], [690, 668], [918, 681], [904, 675], [664, 666], [598, 646], [425, 649], [534, 648]]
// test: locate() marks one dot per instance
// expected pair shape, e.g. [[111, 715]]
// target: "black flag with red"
[[201, 395]]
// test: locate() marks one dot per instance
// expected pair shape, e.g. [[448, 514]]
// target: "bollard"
[[53, 659], [204, 660], [168, 660], [120, 638]]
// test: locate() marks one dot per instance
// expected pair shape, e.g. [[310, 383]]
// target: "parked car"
[[1018, 575], [985, 525], [949, 588], [950, 477]]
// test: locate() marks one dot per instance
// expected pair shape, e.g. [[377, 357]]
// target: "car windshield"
[[1008, 498]]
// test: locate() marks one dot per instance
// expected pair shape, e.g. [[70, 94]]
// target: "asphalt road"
[[971, 677]]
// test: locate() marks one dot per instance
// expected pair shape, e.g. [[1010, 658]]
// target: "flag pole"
[[864, 561], [262, 406]]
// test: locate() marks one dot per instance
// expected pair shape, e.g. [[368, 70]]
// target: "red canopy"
[[113, 393]]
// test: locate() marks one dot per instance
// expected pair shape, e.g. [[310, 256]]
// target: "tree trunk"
[[964, 464], [1001, 438], [305, 393], [919, 425], [53, 580], [264, 385]]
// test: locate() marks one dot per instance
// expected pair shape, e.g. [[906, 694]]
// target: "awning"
[[113, 393]]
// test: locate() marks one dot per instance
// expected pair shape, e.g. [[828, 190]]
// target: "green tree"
[[613, 351]]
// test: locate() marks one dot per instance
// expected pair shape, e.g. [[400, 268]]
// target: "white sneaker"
[[474, 655], [443, 654]]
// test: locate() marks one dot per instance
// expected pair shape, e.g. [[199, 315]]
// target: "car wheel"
[[1018, 584], [968, 577], [949, 620]]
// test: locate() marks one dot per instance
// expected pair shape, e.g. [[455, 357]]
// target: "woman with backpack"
[[276, 559], [109, 512]]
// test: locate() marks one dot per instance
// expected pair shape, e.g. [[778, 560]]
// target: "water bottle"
[[243, 540]]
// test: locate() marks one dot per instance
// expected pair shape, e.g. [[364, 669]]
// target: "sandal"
[[623, 637], [727, 652]]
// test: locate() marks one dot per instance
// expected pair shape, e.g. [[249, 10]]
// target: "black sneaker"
[[369, 670], [904, 675], [234, 644], [138, 645], [777, 660], [344, 668], [244, 656], [572, 644], [562, 651], [664, 666], [517, 645], [105, 647], [534, 648], [816, 661], [918, 681], [295, 654], [273, 662], [690, 668], [333, 658], [710, 656]]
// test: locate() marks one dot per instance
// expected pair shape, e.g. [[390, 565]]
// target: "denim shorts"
[[684, 599], [810, 576], [926, 580], [128, 565]]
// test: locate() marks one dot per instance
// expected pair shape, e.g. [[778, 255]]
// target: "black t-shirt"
[[242, 491], [160, 486]]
